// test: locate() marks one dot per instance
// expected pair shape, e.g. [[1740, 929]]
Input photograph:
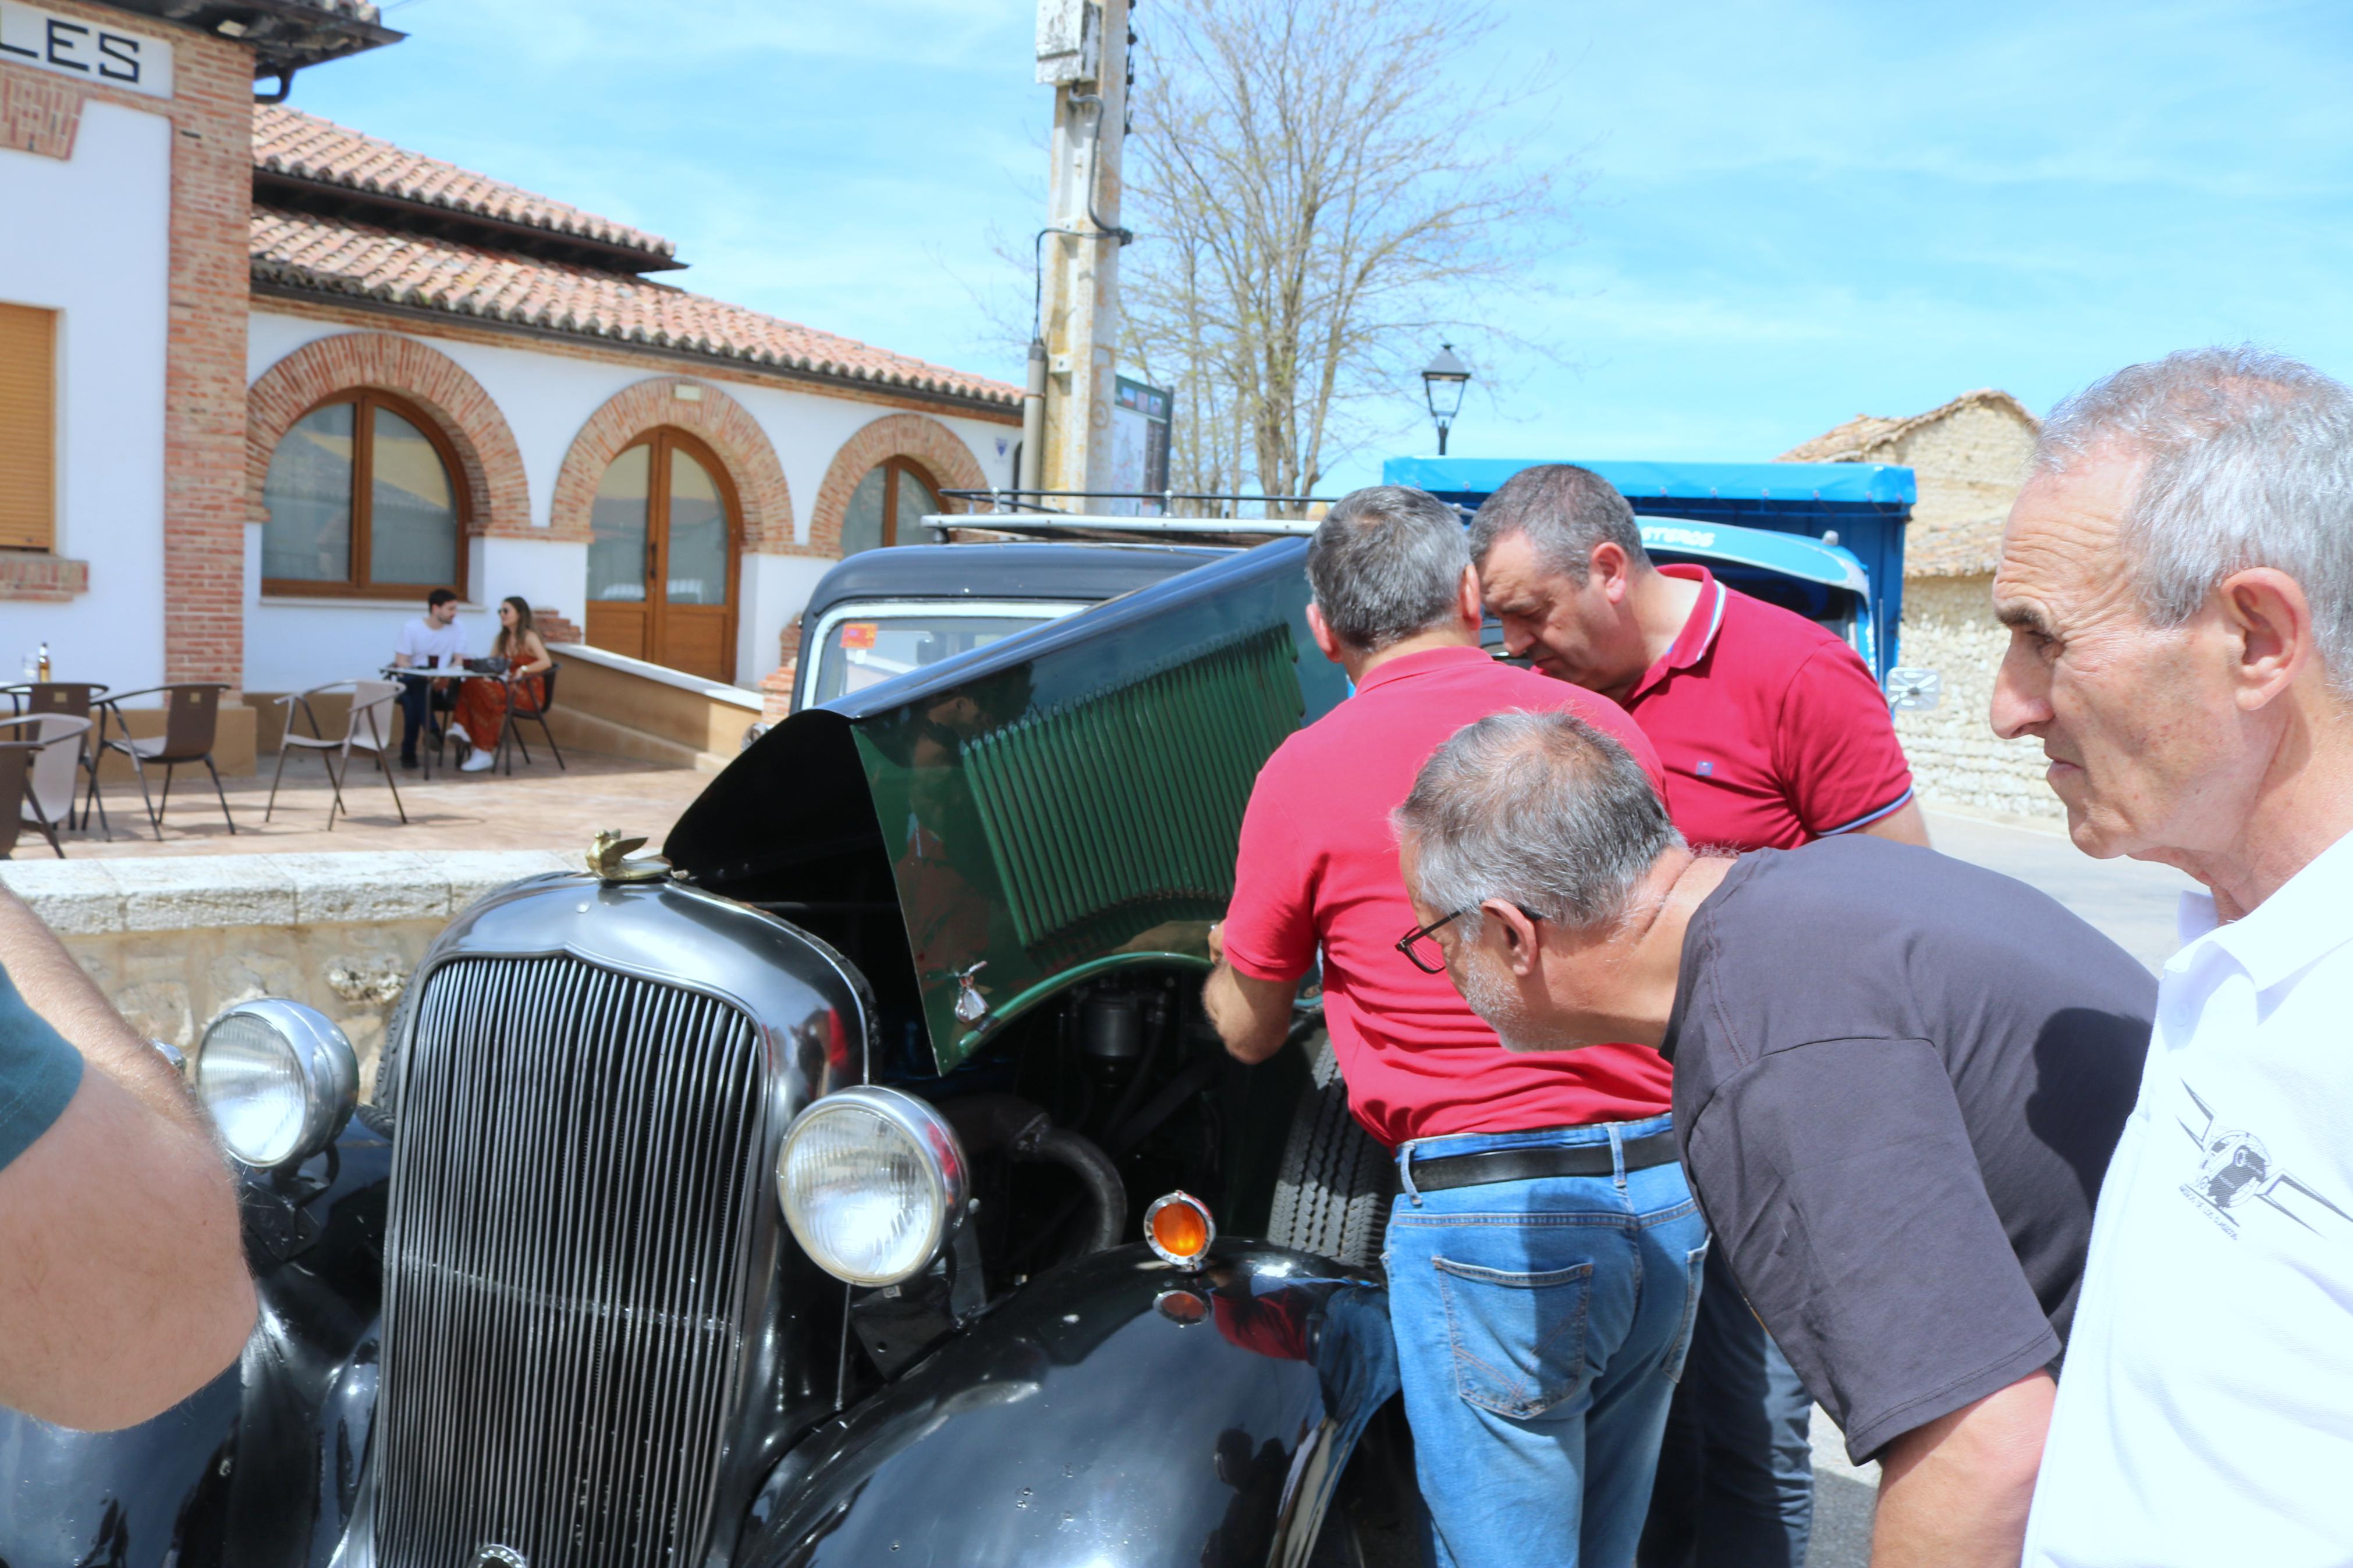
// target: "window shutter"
[[28, 428]]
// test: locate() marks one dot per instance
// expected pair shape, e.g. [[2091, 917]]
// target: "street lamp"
[[1443, 381]]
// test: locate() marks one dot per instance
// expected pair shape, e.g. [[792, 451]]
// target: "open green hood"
[[1061, 802]]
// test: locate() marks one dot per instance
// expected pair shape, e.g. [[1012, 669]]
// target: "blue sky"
[[1790, 212]]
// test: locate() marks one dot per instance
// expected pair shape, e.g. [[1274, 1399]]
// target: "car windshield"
[[871, 648]]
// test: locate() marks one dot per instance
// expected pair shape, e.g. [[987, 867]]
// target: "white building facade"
[[266, 382]]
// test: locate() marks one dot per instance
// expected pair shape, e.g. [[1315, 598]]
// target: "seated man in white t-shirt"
[[434, 640], [2174, 575]]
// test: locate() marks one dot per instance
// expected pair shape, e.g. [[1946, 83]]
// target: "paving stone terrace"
[[538, 808]]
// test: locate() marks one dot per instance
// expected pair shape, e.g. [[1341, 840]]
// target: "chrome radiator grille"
[[572, 1196]]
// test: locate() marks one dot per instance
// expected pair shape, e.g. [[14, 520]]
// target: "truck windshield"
[[870, 648], [1833, 609]]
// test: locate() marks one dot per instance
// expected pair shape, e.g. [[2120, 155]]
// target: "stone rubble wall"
[[173, 942], [1968, 466], [1957, 759]]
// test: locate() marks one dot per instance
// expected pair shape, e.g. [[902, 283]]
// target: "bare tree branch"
[[1317, 202]]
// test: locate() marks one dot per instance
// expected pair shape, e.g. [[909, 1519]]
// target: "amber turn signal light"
[[1182, 1307], [1179, 1228]]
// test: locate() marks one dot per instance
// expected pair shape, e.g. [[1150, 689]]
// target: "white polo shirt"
[[2205, 1411]]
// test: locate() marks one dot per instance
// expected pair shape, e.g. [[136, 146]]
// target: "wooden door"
[[661, 559]]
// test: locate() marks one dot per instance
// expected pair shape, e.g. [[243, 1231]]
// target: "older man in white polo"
[[2178, 578]]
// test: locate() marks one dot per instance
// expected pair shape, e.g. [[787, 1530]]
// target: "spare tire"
[[1332, 1192]]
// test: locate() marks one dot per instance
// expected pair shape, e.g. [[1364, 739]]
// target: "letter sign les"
[[86, 51]]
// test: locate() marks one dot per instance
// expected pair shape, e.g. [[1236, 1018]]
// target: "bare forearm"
[[1955, 1493], [126, 1288], [54, 985], [1240, 1010], [1904, 825]]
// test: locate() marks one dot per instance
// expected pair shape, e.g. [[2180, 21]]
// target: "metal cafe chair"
[[14, 758], [191, 722], [368, 729], [519, 709], [71, 700], [43, 747]]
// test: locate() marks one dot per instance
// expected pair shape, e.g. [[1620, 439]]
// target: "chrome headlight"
[[873, 1184], [279, 1079]]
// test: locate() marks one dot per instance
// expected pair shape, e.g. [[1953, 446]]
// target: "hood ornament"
[[609, 861], [971, 1006]]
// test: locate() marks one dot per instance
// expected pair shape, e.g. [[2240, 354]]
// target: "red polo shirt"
[[1771, 729], [1318, 866]]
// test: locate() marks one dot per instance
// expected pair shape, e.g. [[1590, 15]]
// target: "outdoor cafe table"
[[428, 672]]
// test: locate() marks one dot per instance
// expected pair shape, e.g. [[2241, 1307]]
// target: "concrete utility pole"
[[1082, 47]]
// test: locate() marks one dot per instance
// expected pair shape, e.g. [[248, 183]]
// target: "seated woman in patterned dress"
[[481, 707]]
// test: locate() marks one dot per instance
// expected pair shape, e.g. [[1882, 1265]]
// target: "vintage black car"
[[786, 1202]]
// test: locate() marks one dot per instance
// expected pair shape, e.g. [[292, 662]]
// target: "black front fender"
[[1118, 1411]]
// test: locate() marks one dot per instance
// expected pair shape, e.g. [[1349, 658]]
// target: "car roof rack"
[[1095, 525], [1196, 517]]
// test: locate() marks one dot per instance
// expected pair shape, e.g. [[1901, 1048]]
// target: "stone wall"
[[174, 942], [1957, 759], [1968, 463], [1969, 456]]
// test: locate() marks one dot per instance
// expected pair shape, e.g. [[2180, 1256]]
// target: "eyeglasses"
[[1420, 947]]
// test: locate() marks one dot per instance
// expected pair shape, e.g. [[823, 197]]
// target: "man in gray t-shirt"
[[1898, 1081]]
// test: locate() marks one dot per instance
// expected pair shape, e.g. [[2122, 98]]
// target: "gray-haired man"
[[1543, 1257], [1773, 734], [1898, 1078], [2178, 576]]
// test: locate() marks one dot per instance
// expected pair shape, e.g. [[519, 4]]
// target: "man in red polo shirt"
[[1543, 1254], [1773, 734]]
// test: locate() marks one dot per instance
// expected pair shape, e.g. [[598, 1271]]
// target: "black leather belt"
[[1534, 1164]]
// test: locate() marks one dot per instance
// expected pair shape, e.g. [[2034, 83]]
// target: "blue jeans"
[[418, 701], [1540, 1329], [1735, 1486]]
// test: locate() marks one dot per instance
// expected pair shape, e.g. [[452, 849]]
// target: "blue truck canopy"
[[1864, 505]]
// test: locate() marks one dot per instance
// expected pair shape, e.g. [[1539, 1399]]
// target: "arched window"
[[661, 557], [362, 498], [886, 506]]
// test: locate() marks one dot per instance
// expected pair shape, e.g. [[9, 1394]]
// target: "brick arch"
[[718, 420], [927, 441], [498, 497]]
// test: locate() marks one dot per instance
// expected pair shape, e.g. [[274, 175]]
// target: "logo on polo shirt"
[[1705, 770], [2234, 1166]]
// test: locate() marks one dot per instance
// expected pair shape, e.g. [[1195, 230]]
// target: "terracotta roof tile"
[[1853, 441], [301, 251], [303, 146], [1960, 534], [1841, 443]]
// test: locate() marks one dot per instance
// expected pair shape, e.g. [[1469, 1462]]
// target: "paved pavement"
[[2131, 901], [2134, 903], [540, 807]]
